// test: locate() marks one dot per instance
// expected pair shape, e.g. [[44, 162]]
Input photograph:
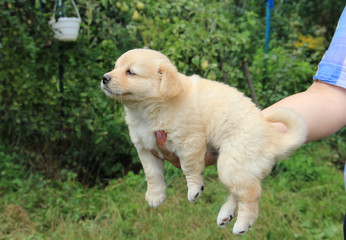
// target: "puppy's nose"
[[105, 79]]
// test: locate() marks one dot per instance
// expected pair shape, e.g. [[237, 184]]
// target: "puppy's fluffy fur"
[[197, 113]]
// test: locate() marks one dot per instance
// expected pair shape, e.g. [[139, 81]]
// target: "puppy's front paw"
[[155, 199], [194, 193], [224, 221]]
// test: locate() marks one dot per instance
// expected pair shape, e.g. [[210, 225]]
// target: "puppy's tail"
[[296, 130]]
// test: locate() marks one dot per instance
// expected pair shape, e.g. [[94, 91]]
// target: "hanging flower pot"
[[65, 28]]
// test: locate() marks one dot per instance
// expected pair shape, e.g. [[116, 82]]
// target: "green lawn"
[[304, 198]]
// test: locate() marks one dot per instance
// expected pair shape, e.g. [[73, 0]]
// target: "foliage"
[[78, 129], [279, 73], [12, 171], [203, 37]]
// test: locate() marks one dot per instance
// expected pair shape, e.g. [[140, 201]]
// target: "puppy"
[[198, 114]]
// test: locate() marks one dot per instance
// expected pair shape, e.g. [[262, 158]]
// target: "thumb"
[[161, 138]]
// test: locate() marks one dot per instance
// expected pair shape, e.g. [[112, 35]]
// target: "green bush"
[[77, 128], [12, 171]]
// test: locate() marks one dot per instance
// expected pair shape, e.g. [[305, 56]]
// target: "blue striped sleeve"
[[332, 68]]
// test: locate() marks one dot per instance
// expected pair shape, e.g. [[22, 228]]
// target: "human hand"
[[161, 137]]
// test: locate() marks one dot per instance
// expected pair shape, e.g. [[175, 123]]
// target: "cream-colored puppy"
[[198, 114]]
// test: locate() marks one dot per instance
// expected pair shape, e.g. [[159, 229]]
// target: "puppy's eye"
[[130, 73]]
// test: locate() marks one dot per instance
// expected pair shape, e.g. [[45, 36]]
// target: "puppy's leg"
[[234, 173], [227, 211], [195, 182], [192, 164], [154, 170], [247, 206]]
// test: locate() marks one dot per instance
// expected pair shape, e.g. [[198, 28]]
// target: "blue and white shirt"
[[332, 68]]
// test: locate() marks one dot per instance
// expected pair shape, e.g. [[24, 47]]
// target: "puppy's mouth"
[[110, 93]]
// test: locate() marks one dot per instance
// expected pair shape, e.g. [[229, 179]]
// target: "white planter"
[[66, 28]]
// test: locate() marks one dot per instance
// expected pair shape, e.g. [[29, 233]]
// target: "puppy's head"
[[142, 74]]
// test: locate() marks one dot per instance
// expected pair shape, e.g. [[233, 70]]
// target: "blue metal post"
[[270, 5]]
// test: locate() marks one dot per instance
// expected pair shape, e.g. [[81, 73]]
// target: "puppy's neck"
[[145, 109]]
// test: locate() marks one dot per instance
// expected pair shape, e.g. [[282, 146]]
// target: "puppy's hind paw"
[[227, 212], [155, 200], [240, 230]]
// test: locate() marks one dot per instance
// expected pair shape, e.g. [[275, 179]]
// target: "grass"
[[304, 198]]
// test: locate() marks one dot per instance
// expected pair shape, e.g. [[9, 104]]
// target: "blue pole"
[[270, 5]]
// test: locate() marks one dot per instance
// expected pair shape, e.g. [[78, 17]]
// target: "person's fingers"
[[210, 159], [161, 138], [155, 153], [172, 158]]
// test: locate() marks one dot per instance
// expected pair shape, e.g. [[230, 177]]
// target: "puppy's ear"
[[171, 84]]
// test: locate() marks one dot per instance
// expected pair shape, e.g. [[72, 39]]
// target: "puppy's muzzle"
[[106, 79]]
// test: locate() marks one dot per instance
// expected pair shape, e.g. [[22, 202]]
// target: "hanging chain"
[[59, 8]]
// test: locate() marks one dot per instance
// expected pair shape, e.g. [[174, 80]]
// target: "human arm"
[[322, 106]]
